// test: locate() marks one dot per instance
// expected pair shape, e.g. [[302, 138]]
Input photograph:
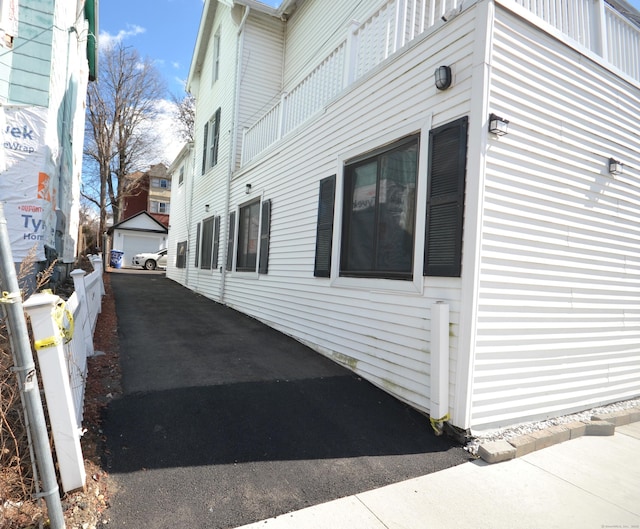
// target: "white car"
[[151, 261]]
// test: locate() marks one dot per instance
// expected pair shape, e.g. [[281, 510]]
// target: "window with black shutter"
[[230, 239], [445, 199], [214, 128], [196, 262], [324, 229], [204, 147], [216, 241], [207, 243], [265, 230], [379, 212], [181, 254]]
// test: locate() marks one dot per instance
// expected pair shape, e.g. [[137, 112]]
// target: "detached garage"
[[137, 234]]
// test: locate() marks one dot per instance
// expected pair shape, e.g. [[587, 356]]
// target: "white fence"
[[63, 338], [592, 23]]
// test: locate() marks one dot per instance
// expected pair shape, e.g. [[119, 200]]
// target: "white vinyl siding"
[[559, 292], [383, 335]]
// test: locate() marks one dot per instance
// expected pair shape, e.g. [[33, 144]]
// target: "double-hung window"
[[211, 138], [210, 243], [254, 227], [379, 212], [215, 66]]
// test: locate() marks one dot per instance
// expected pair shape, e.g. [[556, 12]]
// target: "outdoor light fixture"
[[443, 77], [615, 167], [206, 208], [248, 189], [498, 125]]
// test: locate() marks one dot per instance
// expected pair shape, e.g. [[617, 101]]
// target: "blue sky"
[[163, 30]]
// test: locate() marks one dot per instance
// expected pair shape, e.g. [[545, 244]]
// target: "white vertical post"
[[282, 115], [57, 389], [599, 29], [401, 19], [439, 360], [351, 54], [96, 262], [85, 312]]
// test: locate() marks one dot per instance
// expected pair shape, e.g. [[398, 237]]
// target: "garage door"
[[133, 244]]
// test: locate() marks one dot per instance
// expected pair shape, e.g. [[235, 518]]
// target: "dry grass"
[[18, 508]]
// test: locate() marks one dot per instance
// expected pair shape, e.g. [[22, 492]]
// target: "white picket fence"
[[63, 338]]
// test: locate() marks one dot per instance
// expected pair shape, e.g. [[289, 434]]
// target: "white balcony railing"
[[592, 23]]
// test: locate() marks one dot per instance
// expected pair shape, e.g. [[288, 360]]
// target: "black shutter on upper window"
[[230, 239], [265, 231], [324, 229], [445, 199], [204, 148], [216, 241]]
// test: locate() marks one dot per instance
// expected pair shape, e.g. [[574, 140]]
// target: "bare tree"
[[119, 138], [185, 115]]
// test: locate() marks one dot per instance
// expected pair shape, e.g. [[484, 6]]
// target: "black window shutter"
[[230, 239], [197, 259], [204, 148], [216, 138], [265, 231], [445, 199], [216, 241], [324, 229]]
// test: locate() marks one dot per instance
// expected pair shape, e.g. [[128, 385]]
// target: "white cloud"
[[176, 65], [163, 128], [107, 40]]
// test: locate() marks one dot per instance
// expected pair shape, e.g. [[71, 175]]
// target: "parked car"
[[151, 261]]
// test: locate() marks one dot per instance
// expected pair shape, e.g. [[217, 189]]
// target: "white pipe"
[[439, 408]]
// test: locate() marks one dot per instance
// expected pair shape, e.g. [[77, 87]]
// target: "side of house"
[[342, 206], [43, 108]]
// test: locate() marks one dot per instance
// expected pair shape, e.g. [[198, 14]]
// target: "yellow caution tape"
[[10, 297], [436, 424], [65, 333]]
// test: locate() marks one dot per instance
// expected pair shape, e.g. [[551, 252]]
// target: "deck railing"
[[594, 24]]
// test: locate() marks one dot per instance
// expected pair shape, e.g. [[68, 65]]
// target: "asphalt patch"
[[225, 421]]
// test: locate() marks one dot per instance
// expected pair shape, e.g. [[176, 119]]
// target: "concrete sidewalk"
[[589, 482]]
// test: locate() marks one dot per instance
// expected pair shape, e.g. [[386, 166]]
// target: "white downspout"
[[234, 143], [439, 407]]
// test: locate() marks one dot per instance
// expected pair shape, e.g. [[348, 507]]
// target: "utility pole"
[[27, 378]]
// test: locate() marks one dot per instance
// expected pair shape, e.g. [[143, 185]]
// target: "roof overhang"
[[206, 26]]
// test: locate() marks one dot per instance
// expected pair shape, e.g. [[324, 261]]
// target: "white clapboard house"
[[443, 197]]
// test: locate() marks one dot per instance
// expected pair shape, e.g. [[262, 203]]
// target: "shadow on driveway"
[[225, 421]]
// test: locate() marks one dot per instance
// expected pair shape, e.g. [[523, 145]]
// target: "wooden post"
[[351, 55], [439, 407], [57, 389]]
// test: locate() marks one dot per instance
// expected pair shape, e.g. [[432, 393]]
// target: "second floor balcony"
[[605, 29]]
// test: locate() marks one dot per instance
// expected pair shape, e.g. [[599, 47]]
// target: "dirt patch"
[[83, 509]]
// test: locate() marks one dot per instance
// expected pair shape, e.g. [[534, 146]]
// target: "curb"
[[600, 424]]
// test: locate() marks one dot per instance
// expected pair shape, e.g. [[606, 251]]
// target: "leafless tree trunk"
[[119, 137], [185, 116]]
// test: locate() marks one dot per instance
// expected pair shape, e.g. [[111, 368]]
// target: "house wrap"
[[469, 243]]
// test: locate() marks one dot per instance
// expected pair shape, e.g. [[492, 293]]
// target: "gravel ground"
[[526, 428]]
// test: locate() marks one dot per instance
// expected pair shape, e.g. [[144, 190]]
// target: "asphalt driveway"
[[224, 421]]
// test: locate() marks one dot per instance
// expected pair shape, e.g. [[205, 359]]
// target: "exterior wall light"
[[247, 189], [443, 77], [498, 125], [615, 167], [206, 208]]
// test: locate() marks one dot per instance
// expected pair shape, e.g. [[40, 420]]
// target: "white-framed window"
[[162, 183], [215, 66], [156, 206], [181, 176], [211, 136], [253, 235]]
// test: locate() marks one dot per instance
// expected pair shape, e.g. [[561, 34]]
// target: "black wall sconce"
[[615, 167], [206, 208], [247, 189], [497, 125], [443, 77]]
